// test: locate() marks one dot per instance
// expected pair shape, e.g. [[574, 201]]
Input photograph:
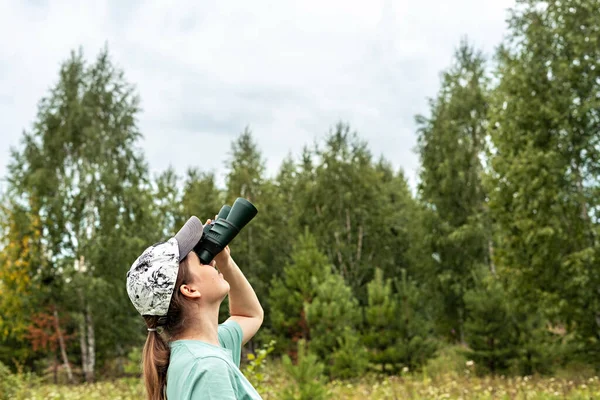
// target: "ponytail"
[[155, 362], [156, 354]]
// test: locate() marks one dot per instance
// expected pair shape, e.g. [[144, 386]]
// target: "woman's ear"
[[190, 291]]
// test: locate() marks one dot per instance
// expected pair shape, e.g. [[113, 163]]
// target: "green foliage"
[[21, 289], [201, 196], [333, 310], [80, 172], [381, 314], [539, 349], [490, 330], [289, 293], [505, 335], [397, 331], [9, 383], [574, 387], [351, 358], [246, 178], [545, 162], [451, 143], [416, 342], [255, 370], [133, 365], [450, 360], [508, 191], [15, 386], [167, 202], [357, 209], [307, 382]]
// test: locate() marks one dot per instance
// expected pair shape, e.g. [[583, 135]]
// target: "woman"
[[188, 355]]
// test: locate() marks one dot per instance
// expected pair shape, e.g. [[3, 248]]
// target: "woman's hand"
[[223, 259]]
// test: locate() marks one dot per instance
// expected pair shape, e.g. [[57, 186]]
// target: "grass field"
[[371, 387]]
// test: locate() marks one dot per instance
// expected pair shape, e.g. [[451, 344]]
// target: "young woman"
[[188, 355]]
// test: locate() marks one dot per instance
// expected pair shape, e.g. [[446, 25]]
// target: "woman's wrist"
[[226, 265]]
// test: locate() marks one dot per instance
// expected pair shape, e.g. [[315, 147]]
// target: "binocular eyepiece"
[[220, 232]]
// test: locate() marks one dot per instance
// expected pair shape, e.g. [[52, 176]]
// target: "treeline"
[[496, 251]]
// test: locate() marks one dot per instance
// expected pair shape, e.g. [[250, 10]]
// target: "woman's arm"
[[244, 306]]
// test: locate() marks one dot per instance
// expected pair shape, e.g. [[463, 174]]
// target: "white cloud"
[[290, 70]]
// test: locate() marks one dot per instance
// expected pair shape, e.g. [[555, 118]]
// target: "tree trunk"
[[491, 258], [84, 349], [120, 360], [86, 333], [61, 343], [54, 368], [88, 344], [91, 345]]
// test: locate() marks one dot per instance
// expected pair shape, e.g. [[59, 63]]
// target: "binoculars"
[[220, 232]]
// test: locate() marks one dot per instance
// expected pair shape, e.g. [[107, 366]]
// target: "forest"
[[488, 269]]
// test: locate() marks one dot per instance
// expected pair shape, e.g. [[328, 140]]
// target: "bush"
[[450, 360], [254, 371], [133, 365], [10, 383]]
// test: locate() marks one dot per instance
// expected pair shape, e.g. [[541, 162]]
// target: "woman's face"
[[207, 280]]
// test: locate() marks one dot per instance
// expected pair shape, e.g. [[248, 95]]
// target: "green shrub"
[[351, 359], [333, 309], [306, 376], [450, 360], [10, 384], [255, 370], [133, 365]]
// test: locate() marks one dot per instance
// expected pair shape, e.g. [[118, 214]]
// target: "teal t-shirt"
[[199, 370]]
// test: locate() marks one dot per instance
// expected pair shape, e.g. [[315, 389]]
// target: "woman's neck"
[[202, 325]]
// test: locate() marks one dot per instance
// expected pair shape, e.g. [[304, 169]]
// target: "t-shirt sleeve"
[[230, 337], [211, 379]]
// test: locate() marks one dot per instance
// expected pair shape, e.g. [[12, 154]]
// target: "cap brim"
[[188, 236]]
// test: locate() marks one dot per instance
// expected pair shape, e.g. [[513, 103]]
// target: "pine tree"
[[351, 358], [307, 376], [401, 244], [490, 330], [451, 145], [246, 169], [332, 311], [416, 342], [201, 196], [246, 179], [167, 202], [539, 349], [279, 207], [295, 288], [381, 314]]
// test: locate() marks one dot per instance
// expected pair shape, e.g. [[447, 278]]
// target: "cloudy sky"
[[288, 69]]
